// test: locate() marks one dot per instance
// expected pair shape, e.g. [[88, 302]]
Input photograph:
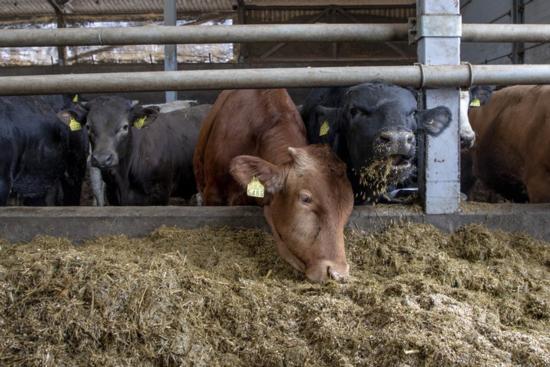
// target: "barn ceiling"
[[18, 9]]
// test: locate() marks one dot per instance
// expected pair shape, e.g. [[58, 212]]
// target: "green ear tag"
[[255, 188], [475, 103], [325, 128], [74, 125], [140, 122], [75, 98]]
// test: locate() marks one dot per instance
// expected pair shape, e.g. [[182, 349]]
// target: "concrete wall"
[[19, 224], [500, 12]]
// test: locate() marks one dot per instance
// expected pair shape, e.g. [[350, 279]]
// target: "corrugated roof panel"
[[29, 8], [146, 6], [25, 7], [327, 2]]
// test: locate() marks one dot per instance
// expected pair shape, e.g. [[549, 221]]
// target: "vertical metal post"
[[170, 51], [518, 17], [439, 44], [61, 50], [241, 48]]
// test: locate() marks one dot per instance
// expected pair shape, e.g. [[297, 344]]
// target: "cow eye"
[[125, 127], [305, 198]]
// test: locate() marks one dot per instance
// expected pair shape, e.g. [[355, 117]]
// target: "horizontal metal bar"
[[506, 33], [429, 76], [203, 34], [258, 33]]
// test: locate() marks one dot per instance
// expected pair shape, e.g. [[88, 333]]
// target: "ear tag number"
[[255, 188], [475, 103], [74, 125], [140, 122], [325, 128]]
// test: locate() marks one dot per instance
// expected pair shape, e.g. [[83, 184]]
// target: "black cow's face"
[[108, 121], [378, 122], [108, 124]]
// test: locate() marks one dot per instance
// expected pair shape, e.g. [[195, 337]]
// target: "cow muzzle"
[[324, 270], [104, 160], [467, 139], [398, 145]]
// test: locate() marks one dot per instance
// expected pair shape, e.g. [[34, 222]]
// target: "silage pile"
[[223, 298]]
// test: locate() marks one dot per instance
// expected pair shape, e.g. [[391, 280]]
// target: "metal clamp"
[[422, 75], [428, 25], [471, 73]]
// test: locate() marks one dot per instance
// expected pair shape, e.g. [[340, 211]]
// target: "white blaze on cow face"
[[467, 135], [310, 202]]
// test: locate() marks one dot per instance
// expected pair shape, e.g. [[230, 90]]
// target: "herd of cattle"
[[301, 163]]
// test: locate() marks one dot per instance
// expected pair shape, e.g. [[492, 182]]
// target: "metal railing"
[[258, 33], [416, 76]]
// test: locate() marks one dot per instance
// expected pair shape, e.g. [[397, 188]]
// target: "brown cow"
[[308, 198], [512, 151]]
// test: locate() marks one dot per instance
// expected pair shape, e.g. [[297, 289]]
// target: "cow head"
[[309, 202], [378, 122], [108, 120], [474, 97]]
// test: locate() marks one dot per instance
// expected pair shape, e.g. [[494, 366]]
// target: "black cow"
[[145, 165], [42, 161], [370, 123]]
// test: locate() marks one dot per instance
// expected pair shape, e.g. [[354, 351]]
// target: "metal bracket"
[[444, 25]]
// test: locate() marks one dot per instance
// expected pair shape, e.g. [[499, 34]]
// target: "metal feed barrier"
[[437, 31]]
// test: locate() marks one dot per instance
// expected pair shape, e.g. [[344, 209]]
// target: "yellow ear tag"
[[140, 122], [75, 98], [325, 128], [74, 125], [255, 188], [475, 103]]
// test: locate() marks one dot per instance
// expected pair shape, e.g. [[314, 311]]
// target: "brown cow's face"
[[309, 203]]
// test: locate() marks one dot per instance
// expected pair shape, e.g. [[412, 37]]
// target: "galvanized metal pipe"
[[170, 51], [416, 76], [505, 33], [203, 34], [258, 33]]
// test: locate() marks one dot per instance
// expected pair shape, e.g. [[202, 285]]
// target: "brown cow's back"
[[262, 123], [512, 148]]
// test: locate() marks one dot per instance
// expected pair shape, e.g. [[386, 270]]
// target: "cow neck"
[[120, 176], [132, 148]]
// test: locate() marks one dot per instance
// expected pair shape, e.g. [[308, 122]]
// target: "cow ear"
[[481, 93], [65, 116], [139, 115], [326, 119], [72, 119], [434, 121], [246, 168]]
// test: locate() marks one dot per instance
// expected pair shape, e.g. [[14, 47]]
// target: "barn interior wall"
[[500, 12], [538, 11]]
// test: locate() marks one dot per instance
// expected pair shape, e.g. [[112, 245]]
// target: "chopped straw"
[[220, 297], [374, 180]]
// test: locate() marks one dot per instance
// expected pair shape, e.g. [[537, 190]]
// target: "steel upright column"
[[439, 27], [170, 51]]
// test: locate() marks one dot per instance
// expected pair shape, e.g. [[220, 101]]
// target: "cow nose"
[[325, 270], [103, 160], [467, 140], [400, 139]]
